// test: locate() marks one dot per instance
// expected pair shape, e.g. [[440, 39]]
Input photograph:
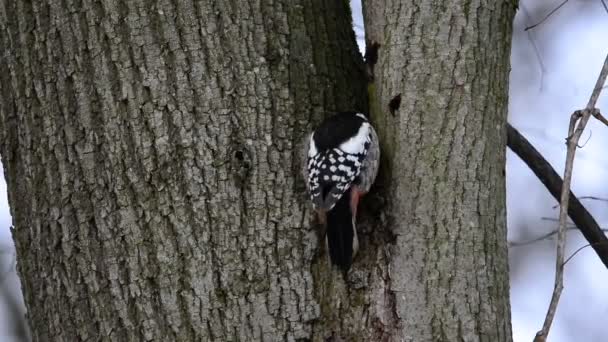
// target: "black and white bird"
[[341, 163]]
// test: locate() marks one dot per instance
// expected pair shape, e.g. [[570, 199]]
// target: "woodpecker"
[[341, 160]]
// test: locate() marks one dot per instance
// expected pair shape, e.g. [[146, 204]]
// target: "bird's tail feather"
[[341, 234]]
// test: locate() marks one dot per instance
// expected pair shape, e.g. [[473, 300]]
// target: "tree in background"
[[448, 64], [151, 154]]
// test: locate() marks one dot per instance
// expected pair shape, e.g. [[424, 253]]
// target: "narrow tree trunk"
[[444, 163], [149, 149]]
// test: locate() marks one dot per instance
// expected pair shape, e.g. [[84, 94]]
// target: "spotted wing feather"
[[331, 173]]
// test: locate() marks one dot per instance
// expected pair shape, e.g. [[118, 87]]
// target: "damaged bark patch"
[[240, 163], [371, 58], [394, 104]]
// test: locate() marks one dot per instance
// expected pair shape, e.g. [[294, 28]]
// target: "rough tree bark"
[[445, 157], [149, 153]]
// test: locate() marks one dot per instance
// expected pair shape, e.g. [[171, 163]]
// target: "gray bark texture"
[[149, 152], [444, 163]]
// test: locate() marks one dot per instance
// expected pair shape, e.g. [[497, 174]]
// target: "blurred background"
[[554, 68]]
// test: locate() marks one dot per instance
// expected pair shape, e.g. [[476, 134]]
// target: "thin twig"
[[578, 121], [594, 198], [597, 90], [546, 236], [578, 250], [535, 48], [544, 218], [547, 16], [575, 252]]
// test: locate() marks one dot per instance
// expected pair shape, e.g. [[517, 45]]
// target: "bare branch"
[[599, 116], [586, 141], [544, 218], [547, 16], [597, 90], [553, 182], [578, 121]]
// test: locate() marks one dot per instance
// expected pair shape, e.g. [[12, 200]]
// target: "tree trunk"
[[149, 149], [444, 154]]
